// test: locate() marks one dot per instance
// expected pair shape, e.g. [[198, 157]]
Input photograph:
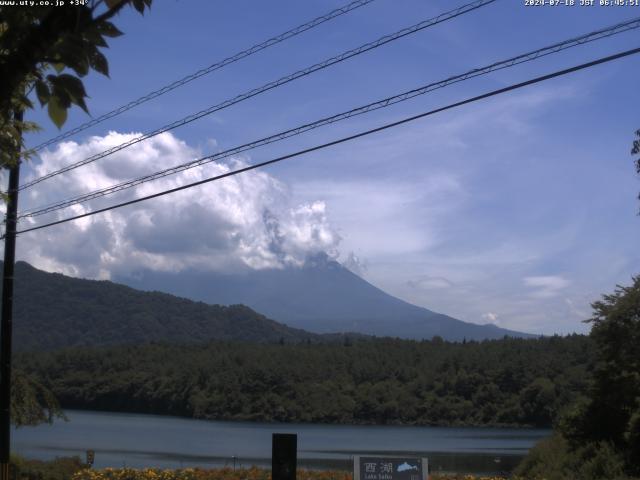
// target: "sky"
[[519, 210]]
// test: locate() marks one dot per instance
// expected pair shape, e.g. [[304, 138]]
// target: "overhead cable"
[[343, 139], [207, 70], [526, 57], [271, 85]]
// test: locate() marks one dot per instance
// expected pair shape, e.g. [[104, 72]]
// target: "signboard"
[[390, 468]]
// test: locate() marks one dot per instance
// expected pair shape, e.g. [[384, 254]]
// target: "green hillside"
[[53, 311]]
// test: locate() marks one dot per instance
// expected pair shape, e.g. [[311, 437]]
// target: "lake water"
[[135, 440]]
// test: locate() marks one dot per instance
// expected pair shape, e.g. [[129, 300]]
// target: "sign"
[[390, 468]]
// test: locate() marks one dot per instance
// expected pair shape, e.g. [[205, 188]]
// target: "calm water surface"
[[135, 440]]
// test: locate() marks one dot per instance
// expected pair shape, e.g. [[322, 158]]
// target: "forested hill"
[[53, 311], [497, 382]]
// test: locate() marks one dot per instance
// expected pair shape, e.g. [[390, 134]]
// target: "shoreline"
[[328, 424]]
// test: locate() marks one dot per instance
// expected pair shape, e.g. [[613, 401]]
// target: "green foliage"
[[546, 460], [632, 436], [42, 39], [612, 410], [555, 459], [62, 468], [599, 434], [31, 402], [368, 381], [635, 150], [599, 460]]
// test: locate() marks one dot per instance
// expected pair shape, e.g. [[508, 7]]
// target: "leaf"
[[108, 29], [99, 63], [63, 97], [139, 5], [79, 65], [84, 17], [73, 85], [42, 91], [80, 102], [30, 127], [74, 55], [26, 103], [94, 37], [113, 3], [57, 112], [68, 89]]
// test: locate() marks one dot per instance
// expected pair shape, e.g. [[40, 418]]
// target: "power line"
[[526, 57], [346, 139], [211, 68], [271, 85]]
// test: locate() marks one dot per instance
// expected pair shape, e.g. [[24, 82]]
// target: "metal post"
[[284, 456], [7, 314]]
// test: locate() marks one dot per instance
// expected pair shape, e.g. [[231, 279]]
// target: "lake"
[[136, 440]]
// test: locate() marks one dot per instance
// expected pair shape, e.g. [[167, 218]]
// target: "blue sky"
[[519, 210]]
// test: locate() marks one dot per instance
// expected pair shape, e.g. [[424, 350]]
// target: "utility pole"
[[7, 310]]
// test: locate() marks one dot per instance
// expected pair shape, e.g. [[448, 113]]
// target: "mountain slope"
[[52, 311], [321, 296]]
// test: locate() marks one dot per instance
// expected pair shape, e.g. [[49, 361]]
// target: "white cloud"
[[387, 217], [546, 286], [248, 220], [491, 317]]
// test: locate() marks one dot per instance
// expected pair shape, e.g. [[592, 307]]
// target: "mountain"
[[53, 311], [321, 296]]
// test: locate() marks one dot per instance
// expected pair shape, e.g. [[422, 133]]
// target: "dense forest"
[[498, 382]]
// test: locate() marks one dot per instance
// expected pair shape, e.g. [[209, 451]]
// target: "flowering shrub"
[[227, 473]]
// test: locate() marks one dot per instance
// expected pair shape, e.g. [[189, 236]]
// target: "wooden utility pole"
[[6, 324]]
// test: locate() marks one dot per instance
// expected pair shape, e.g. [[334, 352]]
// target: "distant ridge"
[[53, 311], [321, 296]]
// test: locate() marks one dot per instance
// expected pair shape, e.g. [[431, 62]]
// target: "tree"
[[611, 412], [635, 150], [31, 402], [46, 50]]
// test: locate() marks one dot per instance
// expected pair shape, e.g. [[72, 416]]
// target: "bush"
[[252, 473], [555, 459], [547, 459], [62, 468]]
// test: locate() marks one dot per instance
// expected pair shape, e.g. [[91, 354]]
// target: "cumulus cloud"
[[244, 221], [491, 317], [546, 286]]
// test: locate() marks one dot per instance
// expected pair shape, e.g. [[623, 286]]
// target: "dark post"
[[91, 455], [284, 456], [7, 315]]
